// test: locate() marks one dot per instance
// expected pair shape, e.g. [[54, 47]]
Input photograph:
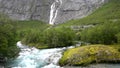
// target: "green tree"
[[8, 39], [101, 34], [59, 37]]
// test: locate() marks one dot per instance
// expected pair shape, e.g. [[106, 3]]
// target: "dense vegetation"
[[8, 38], [88, 54], [107, 33], [13, 31], [51, 37], [25, 27]]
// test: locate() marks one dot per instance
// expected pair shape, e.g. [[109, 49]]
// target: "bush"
[[59, 37], [8, 38], [53, 37], [101, 34], [32, 36], [26, 27], [118, 37], [8, 41]]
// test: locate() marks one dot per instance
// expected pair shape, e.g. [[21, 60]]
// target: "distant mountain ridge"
[[52, 11]]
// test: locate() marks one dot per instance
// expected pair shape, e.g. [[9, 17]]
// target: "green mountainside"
[[108, 12]]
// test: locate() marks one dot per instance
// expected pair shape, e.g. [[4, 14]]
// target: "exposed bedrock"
[[51, 11]]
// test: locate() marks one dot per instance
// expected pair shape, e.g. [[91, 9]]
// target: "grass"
[[31, 30], [90, 54], [26, 27], [32, 24]]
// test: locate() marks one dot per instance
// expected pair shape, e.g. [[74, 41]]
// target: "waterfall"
[[54, 10], [36, 58]]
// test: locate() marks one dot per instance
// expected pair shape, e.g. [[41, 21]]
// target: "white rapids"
[[54, 10], [45, 58], [35, 58]]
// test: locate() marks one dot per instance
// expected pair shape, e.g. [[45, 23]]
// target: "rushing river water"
[[45, 58], [35, 58]]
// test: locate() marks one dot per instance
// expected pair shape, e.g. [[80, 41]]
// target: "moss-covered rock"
[[88, 54]]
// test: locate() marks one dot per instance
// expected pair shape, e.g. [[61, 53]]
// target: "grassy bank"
[[90, 54]]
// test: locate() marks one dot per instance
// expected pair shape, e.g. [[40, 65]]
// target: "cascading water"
[[54, 10], [35, 58]]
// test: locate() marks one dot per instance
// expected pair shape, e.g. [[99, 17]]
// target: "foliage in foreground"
[[90, 54], [8, 38]]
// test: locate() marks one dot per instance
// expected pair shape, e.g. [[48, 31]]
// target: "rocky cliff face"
[[52, 11], [26, 9], [74, 9]]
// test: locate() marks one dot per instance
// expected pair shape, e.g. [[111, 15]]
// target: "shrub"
[[53, 37], [118, 37], [8, 38], [32, 36], [103, 34], [59, 37], [8, 41]]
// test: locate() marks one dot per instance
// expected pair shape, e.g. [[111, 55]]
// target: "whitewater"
[[30, 57]]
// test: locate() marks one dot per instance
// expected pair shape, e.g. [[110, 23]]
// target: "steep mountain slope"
[[26, 9], [52, 11], [108, 12]]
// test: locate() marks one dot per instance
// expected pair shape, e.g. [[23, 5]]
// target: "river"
[[30, 57], [35, 58]]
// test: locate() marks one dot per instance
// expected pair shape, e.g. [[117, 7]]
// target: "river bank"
[[85, 55], [97, 66], [30, 57]]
